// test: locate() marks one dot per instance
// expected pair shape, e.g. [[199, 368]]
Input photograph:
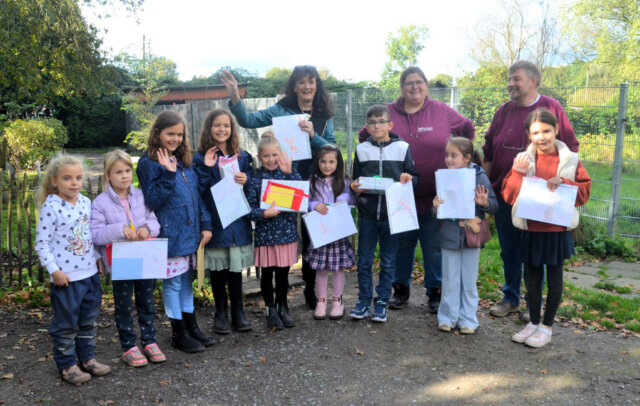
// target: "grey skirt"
[[232, 258]]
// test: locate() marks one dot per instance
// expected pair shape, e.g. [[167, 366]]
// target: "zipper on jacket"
[[196, 212], [380, 173]]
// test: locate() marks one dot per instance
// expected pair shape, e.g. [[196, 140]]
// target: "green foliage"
[[612, 287], [47, 51], [605, 246], [34, 140], [403, 50]]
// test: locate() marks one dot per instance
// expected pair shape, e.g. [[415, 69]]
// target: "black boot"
[[283, 313], [309, 278], [238, 319], [192, 327], [218, 286], [434, 300], [400, 296], [181, 339], [273, 321]]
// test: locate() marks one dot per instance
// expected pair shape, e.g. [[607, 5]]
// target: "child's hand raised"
[[554, 182], [240, 178], [211, 156], [271, 212], [60, 279], [169, 162], [322, 208], [521, 162], [284, 162], [482, 196], [405, 178], [129, 233]]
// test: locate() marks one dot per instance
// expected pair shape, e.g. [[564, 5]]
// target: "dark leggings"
[[554, 292], [282, 284]]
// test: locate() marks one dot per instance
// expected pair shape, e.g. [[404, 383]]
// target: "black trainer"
[[400, 297], [434, 301]]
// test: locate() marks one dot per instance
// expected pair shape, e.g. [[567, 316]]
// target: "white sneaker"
[[527, 332], [540, 338]]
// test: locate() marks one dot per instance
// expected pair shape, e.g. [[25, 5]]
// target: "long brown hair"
[[206, 138], [338, 178], [164, 120], [541, 115]]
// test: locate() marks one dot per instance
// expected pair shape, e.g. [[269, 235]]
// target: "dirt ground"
[[404, 361]]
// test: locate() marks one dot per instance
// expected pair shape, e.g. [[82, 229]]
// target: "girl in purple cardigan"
[[329, 184], [120, 213]]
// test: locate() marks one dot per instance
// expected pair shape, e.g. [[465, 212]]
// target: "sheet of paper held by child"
[[401, 208], [293, 140], [139, 259], [456, 188], [374, 184], [333, 226], [537, 202], [231, 203], [228, 166], [288, 195]]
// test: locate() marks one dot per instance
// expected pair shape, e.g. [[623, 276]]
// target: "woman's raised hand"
[[285, 162], [231, 85], [165, 160], [211, 156]]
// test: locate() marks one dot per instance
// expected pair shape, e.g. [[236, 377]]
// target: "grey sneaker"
[[525, 316], [503, 309]]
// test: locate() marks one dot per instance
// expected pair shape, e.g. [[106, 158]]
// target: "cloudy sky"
[[347, 37]]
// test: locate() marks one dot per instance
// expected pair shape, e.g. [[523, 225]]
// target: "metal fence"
[[606, 121]]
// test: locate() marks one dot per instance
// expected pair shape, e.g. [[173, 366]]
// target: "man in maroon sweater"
[[504, 140]]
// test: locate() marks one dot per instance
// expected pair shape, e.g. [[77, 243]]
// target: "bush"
[[34, 140]]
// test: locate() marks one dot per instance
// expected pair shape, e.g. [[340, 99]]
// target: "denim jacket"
[[237, 233], [174, 198]]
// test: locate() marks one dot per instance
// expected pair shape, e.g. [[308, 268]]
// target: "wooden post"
[[1, 193], [9, 250], [27, 208], [19, 261]]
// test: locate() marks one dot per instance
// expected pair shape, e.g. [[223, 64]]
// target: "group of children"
[[175, 203]]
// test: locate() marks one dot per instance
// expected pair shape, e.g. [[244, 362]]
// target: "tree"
[[402, 50], [46, 50], [441, 80], [606, 35]]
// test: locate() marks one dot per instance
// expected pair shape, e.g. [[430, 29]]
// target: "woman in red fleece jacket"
[[543, 243]]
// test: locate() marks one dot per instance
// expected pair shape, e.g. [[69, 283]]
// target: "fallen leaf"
[[42, 359], [7, 376], [187, 365], [9, 357], [263, 359], [358, 351], [164, 383], [543, 371], [248, 364]]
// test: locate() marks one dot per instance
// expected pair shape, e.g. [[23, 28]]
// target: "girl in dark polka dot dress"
[[117, 214], [65, 249]]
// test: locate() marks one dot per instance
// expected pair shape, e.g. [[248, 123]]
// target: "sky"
[[346, 37]]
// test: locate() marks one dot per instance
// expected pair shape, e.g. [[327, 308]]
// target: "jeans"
[[122, 292], [369, 231], [177, 295], [459, 302], [509, 237], [429, 236], [73, 328]]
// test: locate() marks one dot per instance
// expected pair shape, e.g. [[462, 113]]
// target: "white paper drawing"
[[293, 140], [456, 188], [401, 208], [374, 184], [288, 195], [330, 227], [231, 203], [228, 166], [139, 259], [537, 202]]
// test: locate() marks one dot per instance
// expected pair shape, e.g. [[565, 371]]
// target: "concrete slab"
[[618, 272]]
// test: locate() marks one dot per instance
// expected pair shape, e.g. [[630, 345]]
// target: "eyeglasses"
[[416, 83], [377, 123]]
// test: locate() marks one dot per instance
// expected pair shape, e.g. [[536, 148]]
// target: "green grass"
[[612, 287]]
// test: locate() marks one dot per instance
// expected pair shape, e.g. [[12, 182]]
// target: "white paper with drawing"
[[231, 203], [401, 208], [330, 227], [293, 140], [537, 202], [228, 166], [456, 188], [139, 259]]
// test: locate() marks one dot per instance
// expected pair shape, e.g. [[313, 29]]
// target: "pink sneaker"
[[540, 338], [337, 308], [524, 333], [134, 358], [153, 352], [321, 309]]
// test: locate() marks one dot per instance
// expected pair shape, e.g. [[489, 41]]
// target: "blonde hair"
[[117, 155], [46, 188], [266, 139]]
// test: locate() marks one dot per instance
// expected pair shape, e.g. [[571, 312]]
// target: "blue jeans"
[[177, 295], [73, 328], [429, 235], [509, 238], [369, 231]]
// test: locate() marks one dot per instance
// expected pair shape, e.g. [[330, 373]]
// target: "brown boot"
[[95, 368], [75, 376]]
